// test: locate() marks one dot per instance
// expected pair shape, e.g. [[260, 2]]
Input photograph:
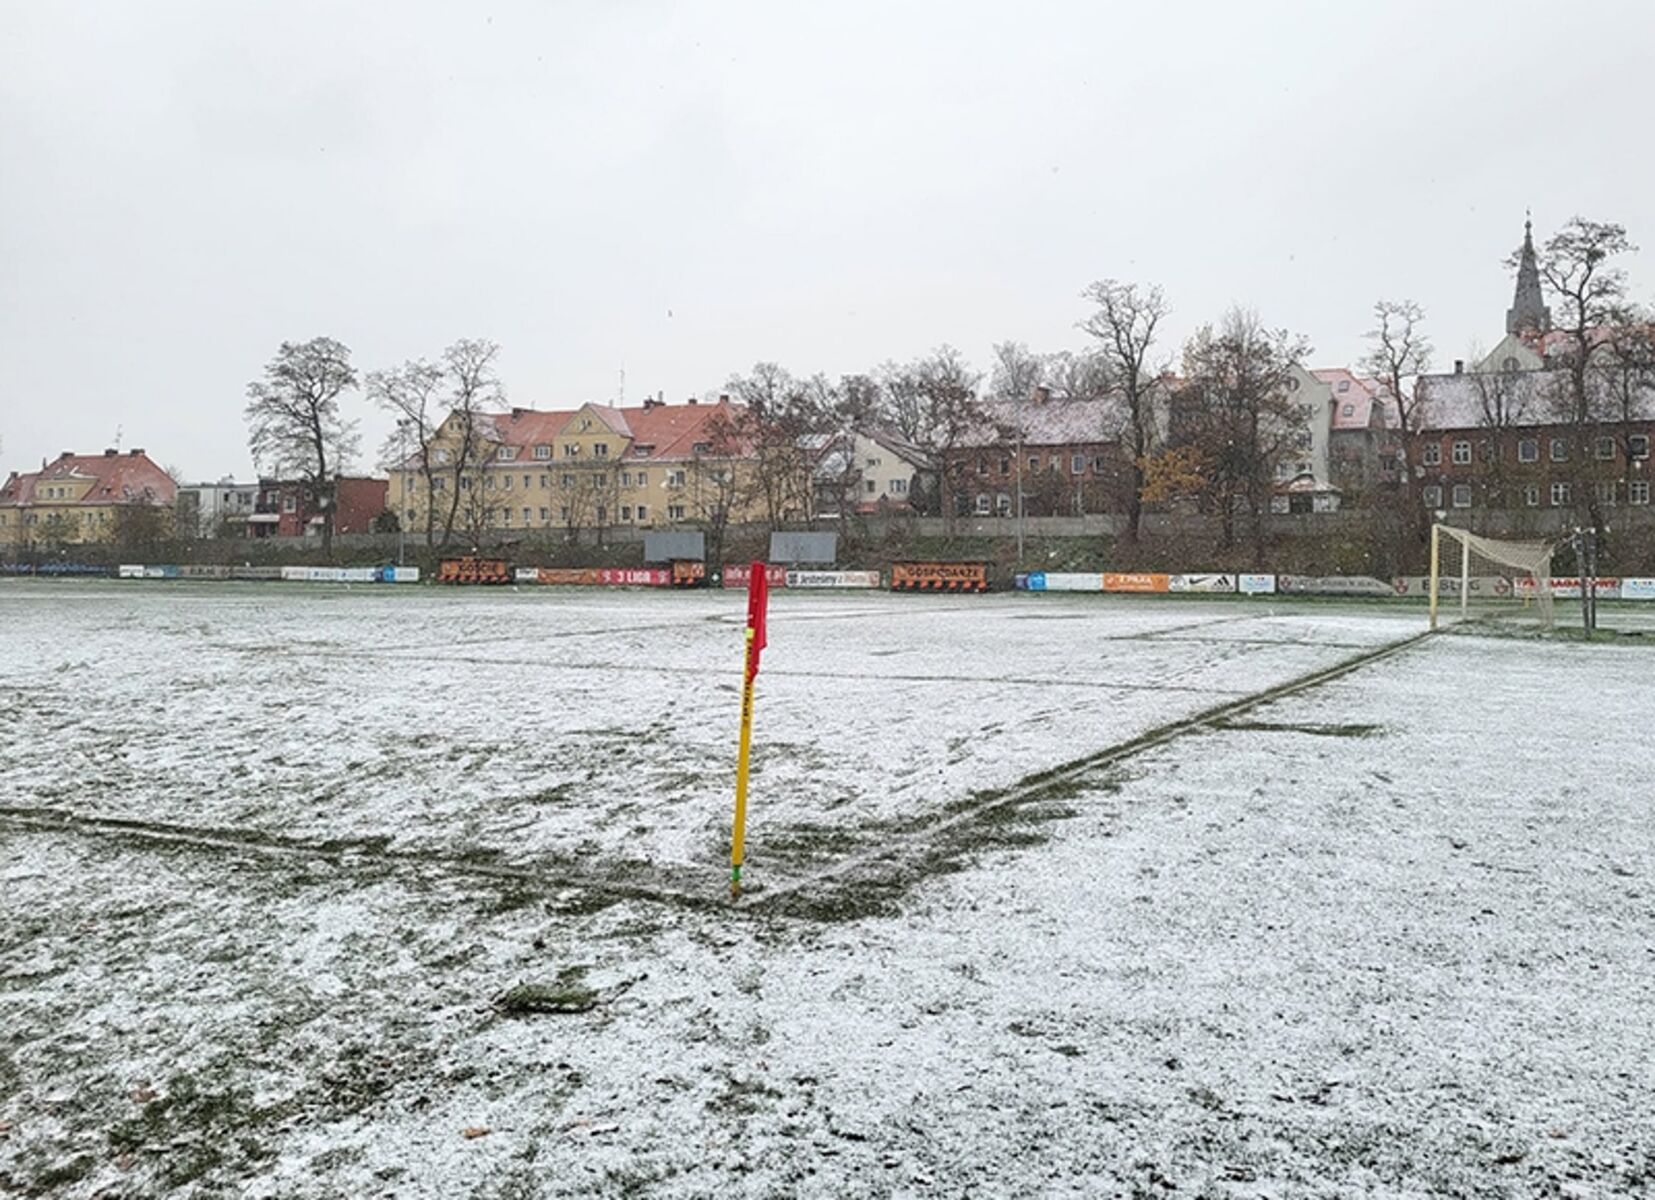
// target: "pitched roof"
[[1476, 400], [670, 431], [1052, 422], [1354, 406], [116, 478]]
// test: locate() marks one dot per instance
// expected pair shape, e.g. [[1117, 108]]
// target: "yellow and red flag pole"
[[758, 603]]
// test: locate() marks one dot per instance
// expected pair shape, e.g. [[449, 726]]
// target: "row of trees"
[[1210, 425]]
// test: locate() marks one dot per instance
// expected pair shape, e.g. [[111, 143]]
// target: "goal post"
[[1489, 577]]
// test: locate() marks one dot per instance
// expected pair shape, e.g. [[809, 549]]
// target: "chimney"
[[516, 412], [1459, 366], [110, 453], [692, 402], [724, 397], [136, 452], [66, 454]]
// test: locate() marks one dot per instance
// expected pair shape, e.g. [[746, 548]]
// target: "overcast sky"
[[680, 190]]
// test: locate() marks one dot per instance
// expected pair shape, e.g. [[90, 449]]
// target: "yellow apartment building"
[[80, 498]]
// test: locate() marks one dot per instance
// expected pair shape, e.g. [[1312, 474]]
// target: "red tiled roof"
[[118, 478], [670, 430]]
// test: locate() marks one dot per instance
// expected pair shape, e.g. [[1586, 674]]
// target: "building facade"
[[869, 472], [210, 510], [286, 508], [1064, 457], [584, 470], [86, 498]]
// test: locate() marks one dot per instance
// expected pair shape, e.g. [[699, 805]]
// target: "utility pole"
[[402, 515]]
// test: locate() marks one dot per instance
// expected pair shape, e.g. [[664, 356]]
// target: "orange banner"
[[1127, 581]]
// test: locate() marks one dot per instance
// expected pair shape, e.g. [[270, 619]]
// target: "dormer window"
[[542, 451], [506, 453], [1344, 385], [643, 450], [703, 448]]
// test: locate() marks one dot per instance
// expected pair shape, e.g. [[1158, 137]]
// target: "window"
[[898, 486], [545, 482], [643, 449], [545, 513], [506, 483], [563, 513], [1508, 363], [1344, 385], [1637, 491], [642, 478], [869, 486], [439, 456], [571, 449], [1432, 496], [1349, 410], [871, 462], [1637, 446], [1034, 462], [505, 515], [1560, 494], [626, 478], [603, 514], [289, 504], [488, 482], [1462, 495], [600, 450], [1528, 450], [1077, 464], [1432, 454], [982, 466], [983, 503], [675, 512], [568, 482], [1002, 504], [1560, 450], [1607, 493], [643, 512], [675, 479], [528, 515], [543, 451], [1531, 495], [626, 512], [1485, 450], [465, 483], [1005, 465], [1462, 453], [528, 482], [1606, 449], [702, 448], [438, 483], [506, 453]]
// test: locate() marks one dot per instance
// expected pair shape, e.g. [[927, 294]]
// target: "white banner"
[[1638, 589], [1201, 583], [833, 579], [1256, 585], [1073, 581], [130, 571]]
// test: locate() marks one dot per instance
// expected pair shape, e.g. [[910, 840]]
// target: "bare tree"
[[778, 415], [472, 394], [950, 413], [412, 394], [1398, 353], [295, 428], [1241, 413], [1577, 264], [1124, 323], [1016, 374]]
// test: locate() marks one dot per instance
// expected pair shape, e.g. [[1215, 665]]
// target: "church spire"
[[1528, 312]]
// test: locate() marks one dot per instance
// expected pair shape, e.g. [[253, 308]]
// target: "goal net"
[[1479, 578]]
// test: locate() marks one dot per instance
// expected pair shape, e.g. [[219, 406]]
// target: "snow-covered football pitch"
[[317, 891]]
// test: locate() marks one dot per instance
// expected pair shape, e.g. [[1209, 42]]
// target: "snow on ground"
[[1393, 934]]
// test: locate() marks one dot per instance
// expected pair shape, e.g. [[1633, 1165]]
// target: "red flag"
[[758, 604]]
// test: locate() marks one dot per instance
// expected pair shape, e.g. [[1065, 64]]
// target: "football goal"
[[1478, 578]]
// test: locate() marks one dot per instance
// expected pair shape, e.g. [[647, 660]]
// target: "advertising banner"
[[833, 579], [1638, 589], [130, 571], [1030, 581], [735, 575], [635, 576], [255, 573], [1567, 587], [1449, 585], [1130, 581], [1201, 583], [1334, 585], [1074, 581], [1256, 585]]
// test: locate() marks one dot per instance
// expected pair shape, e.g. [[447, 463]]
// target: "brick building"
[[1064, 454], [287, 508]]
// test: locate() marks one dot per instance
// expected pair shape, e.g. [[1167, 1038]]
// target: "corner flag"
[[758, 605]]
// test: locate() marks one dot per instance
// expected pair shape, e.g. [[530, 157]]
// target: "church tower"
[[1528, 312]]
